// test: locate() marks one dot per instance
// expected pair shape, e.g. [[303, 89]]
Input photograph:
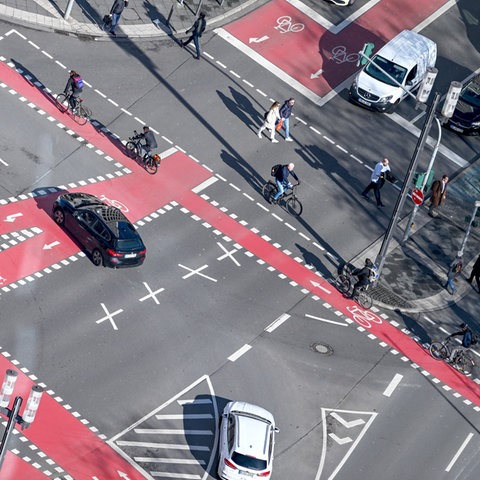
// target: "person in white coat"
[[271, 119]]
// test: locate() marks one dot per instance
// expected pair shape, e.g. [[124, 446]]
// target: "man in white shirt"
[[377, 181]]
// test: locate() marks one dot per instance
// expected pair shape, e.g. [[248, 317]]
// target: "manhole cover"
[[322, 348]]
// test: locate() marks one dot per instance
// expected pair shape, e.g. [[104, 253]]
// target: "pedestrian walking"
[[285, 113], [439, 193], [196, 29], [453, 272], [475, 273], [115, 14], [271, 117], [377, 179]]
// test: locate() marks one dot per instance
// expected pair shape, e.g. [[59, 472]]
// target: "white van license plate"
[[361, 100]]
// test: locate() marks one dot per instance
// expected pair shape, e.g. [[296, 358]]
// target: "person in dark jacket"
[[363, 274], [475, 273], [467, 341], [116, 12], [281, 178], [149, 137], [73, 88], [196, 29], [285, 113]]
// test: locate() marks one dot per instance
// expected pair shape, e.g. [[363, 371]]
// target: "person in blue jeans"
[[281, 178], [285, 113], [116, 12], [196, 31]]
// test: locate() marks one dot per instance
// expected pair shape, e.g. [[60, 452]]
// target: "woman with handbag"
[[271, 117]]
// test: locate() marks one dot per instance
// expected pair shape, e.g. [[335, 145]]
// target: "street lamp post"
[[467, 233], [13, 413]]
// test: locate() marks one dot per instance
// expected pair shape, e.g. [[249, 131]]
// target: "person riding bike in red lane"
[[73, 88]]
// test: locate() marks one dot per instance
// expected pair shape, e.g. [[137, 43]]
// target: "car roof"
[[406, 48]]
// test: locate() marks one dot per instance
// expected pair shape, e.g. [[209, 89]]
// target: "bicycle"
[[81, 114], [135, 150], [344, 283], [462, 361], [292, 203]]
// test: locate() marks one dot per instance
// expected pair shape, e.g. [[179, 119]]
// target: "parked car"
[[104, 231], [246, 442], [341, 3], [406, 59], [466, 117]]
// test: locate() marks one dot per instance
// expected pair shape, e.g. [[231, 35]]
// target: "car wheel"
[[59, 216], [97, 258]]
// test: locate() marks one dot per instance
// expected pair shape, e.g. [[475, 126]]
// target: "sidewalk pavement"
[[413, 275], [141, 19]]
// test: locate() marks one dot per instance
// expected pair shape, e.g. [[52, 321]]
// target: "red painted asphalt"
[[303, 53], [16, 468]]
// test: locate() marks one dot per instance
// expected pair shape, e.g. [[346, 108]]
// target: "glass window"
[[394, 70]]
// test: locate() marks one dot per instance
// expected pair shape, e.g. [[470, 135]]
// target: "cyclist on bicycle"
[[281, 178], [468, 339], [73, 89], [150, 141], [364, 275]]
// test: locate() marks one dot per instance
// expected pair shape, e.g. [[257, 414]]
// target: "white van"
[[406, 58]]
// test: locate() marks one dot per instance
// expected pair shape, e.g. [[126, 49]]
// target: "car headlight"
[[387, 98], [475, 124]]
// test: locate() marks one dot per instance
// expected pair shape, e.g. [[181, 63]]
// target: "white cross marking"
[[109, 316], [228, 254], [151, 294], [196, 272]]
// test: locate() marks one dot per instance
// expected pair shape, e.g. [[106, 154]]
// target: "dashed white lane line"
[[241, 351], [393, 385], [460, 450], [277, 322]]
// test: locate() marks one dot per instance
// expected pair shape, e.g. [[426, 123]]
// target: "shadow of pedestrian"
[[411, 323], [242, 108]]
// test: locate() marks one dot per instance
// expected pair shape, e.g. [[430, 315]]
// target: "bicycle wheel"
[[364, 299], [150, 165], [87, 112], [80, 116], [438, 351], [342, 282], [294, 206], [268, 191], [131, 149], [62, 102], [464, 364]]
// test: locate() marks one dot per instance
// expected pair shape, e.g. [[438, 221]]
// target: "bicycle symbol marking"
[[285, 25], [114, 203], [365, 318], [339, 55]]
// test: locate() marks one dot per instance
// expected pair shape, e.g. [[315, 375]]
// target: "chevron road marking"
[[340, 441], [353, 423]]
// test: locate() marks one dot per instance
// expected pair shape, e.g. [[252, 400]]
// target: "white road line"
[[180, 461], [204, 185], [276, 323], [187, 416], [5, 163], [171, 446], [183, 476], [393, 385], [269, 66], [172, 431], [460, 450], [326, 320], [235, 356], [309, 12]]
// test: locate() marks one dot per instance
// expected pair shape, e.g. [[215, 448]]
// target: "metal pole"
[[12, 419], [425, 179], [68, 10], [467, 233], [380, 260]]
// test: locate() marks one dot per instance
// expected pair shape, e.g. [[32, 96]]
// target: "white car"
[[246, 442], [341, 3]]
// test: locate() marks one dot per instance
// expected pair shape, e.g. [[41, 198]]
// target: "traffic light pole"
[[380, 260]]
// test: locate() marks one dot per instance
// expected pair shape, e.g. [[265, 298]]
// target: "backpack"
[[78, 82], [467, 339], [372, 274], [275, 169]]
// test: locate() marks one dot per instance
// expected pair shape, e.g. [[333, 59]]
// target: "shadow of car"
[[102, 230]]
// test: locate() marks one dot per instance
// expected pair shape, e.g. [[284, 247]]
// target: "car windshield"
[[471, 93], [246, 461], [394, 70]]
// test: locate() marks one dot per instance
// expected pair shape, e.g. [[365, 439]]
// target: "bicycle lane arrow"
[[316, 285]]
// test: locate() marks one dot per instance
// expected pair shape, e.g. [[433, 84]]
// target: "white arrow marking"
[[258, 40], [49, 246], [12, 217], [340, 441], [317, 285], [351, 424], [123, 475], [316, 74]]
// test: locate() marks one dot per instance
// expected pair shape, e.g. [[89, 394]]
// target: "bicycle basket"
[[157, 158]]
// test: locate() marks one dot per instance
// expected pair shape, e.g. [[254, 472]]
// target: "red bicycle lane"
[[315, 57]]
